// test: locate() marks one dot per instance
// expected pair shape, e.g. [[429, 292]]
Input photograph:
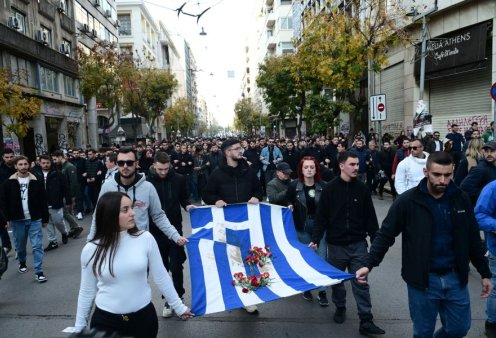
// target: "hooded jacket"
[[409, 173], [146, 205], [173, 193], [11, 204], [232, 184]]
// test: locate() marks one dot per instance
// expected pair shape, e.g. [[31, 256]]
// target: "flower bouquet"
[[256, 257]]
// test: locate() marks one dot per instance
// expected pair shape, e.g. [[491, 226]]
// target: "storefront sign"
[[455, 49]]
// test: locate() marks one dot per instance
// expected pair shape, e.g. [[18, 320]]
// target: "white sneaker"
[[79, 216], [167, 312], [251, 309]]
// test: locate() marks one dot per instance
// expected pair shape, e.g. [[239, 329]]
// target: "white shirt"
[[409, 173], [24, 185], [128, 291]]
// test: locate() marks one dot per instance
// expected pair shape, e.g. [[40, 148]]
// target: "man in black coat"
[[56, 189], [23, 203], [440, 237], [385, 159], [346, 216], [233, 182], [6, 170], [172, 189]]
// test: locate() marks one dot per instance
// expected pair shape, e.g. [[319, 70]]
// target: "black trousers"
[[173, 257], [140, 324]]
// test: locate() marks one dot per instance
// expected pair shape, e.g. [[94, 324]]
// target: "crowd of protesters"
[[323, 180]]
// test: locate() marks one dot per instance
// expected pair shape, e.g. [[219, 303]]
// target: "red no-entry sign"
[[380, 107]]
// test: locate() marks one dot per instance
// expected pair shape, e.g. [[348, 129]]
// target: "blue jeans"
[[23, 229], [305, 238], [491, 301], [446, 297]]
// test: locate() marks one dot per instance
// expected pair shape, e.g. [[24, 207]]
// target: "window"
[[285, 2], [48, 79], [21, 20], [124, 24], [69, 86], [287, 47], [81, 14], [286, 23], [66, 47], [24, 71]]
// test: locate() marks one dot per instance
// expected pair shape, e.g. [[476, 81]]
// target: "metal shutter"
[[461, 99], [391, 84]]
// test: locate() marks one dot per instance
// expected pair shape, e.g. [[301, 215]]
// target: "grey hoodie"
[[146, 204]]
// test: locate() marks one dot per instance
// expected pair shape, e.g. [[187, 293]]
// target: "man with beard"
[[270, 156], [346, 215], [385, 159], [482, 174], [363, 155], [252, 156], [143, 194], [214, 158], [410, 171], [233, 182], [292, 157], [7, 169], [173, 192], [440, 236]]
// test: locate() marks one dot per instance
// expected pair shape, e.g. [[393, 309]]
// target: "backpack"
[[4, 261]]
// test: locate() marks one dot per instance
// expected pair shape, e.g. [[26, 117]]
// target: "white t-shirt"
[[128, 291], [24, 184]]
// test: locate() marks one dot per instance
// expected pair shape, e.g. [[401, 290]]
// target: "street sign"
[[377, 104], [493, 91]]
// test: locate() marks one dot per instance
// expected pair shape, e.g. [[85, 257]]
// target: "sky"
[[217, 53]]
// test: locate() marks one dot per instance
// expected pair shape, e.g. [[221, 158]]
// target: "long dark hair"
[[301, 178], [106, 238]]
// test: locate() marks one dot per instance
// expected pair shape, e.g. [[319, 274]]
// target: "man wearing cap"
[[278, 186], [482, 174], [233, 182]]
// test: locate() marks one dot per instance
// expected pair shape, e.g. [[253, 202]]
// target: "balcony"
[[269, 2], [271, 43], [270, 19]]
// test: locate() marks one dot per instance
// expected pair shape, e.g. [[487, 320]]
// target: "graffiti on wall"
[[38, 144], [464, 122], [392, 128], [62, 141]]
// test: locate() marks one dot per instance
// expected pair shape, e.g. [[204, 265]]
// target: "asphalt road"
[[29, 309]]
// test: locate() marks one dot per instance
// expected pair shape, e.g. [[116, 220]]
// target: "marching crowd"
[[442, 192]]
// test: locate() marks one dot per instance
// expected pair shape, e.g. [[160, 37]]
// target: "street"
[[29, 309]]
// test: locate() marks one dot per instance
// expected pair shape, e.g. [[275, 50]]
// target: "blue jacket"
[[276, 152], [363, 155], [485, 213]]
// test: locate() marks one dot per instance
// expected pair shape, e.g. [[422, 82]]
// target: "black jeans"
[[140, 324], [4, 237], [173, 257]]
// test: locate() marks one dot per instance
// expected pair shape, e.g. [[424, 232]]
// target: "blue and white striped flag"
[[220, 240]]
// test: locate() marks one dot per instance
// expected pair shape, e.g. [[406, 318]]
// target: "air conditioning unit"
[[97, 3], [64, 49], [108, 13], [42, 37], [93, 32], [62, 6], [85, 28], [117, 23], [14, 23], [106, 43]]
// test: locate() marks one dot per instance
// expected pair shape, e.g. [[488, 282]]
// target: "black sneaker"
[[368, 327], [76, 232], [52, 246], [22, 267], [490, 329], [40, 277], [340, 315], [65, 238], [307, 295], [323, 299]]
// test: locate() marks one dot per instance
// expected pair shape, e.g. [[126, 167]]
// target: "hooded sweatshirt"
[[410, 172], [146, 204]]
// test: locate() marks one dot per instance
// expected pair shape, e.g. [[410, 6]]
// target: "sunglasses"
[[129, 163], [414, 148]]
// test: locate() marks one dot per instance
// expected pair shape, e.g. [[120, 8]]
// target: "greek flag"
[[220, 240]]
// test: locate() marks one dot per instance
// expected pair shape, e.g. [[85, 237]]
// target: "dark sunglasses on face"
[[413, 148], [129, 163]]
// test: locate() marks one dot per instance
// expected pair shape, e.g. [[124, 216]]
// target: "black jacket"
[[412, 217], [56, 188], [11, 204], [232, 184], [296, 198], [252, 155], [6, 172], [385, 159], [173, 193], [477, 179], [345, 212]]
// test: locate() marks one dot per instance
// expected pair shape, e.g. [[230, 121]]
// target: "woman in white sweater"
[[114, 274]]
